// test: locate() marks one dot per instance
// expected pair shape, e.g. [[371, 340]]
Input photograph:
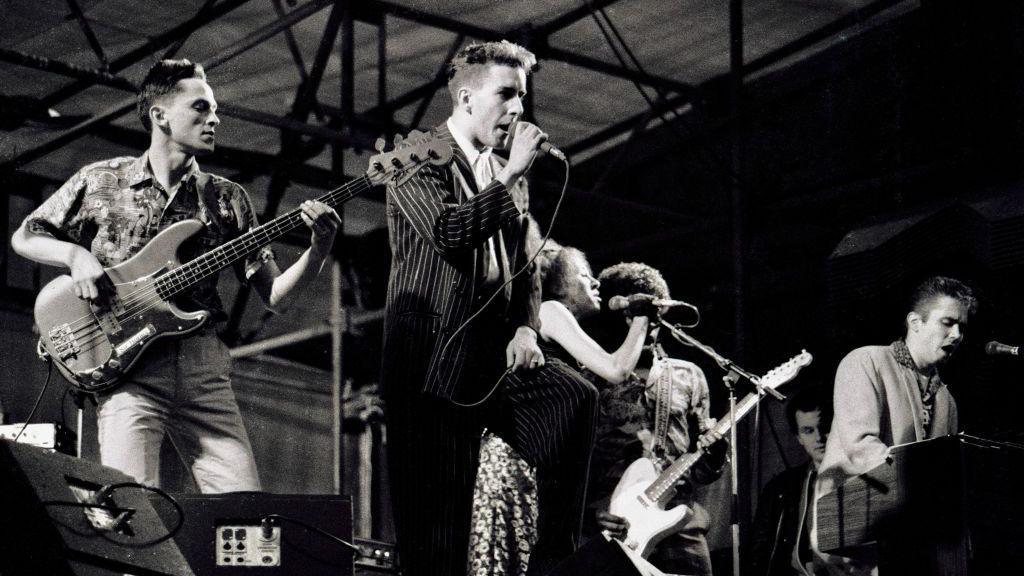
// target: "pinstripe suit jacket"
[[435, 231]]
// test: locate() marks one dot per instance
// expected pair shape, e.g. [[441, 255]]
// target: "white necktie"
[[483, 173]]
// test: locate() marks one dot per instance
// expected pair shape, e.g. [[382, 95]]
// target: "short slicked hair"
[[809, 400], [161, 80], [937, 286], [472, 59]]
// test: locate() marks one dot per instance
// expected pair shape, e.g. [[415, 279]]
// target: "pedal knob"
[[97, 375], [114, 364]]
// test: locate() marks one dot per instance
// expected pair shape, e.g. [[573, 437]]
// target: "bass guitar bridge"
[[65, 345]]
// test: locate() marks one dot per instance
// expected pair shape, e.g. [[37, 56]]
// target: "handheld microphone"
[[622, 302], [545, 147], [994, 348]]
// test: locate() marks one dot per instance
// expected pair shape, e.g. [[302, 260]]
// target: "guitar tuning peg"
[[380, 143], [397, 140]]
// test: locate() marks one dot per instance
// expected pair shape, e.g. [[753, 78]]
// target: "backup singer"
[[457, 234], [888, 395], [504, 503], [106, 213]]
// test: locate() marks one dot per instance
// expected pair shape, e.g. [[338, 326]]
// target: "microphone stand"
[[733, 373]]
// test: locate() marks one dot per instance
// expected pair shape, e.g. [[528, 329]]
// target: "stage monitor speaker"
[[231, 535], [59, 520]]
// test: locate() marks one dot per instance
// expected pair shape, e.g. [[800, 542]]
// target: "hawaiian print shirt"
[[115, 207]]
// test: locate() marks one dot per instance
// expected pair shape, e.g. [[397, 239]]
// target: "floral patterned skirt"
[[504, 522]]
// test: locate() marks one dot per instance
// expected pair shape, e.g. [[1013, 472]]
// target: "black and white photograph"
[[511, 287]]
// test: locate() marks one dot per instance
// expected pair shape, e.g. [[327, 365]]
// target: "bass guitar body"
[[94, 343], [649, 521]]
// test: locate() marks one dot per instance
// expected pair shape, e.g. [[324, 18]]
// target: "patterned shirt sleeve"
[[246, 218], [62, 215], [700, 405]]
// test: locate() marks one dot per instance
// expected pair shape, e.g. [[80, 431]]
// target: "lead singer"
[[457, 234]]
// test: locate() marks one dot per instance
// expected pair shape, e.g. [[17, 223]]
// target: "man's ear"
[[158, 115], [465, 95], [913, 321]]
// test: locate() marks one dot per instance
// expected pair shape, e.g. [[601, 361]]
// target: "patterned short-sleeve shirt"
[[116, 206]]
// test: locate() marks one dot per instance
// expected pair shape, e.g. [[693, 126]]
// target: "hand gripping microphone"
[[545, 147], [994, 348]]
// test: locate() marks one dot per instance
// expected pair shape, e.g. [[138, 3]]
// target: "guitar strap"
[[662, 406]]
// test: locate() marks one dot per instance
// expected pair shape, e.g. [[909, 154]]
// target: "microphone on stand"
[[994, 348], [622, 302]]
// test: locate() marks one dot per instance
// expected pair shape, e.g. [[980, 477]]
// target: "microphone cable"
[[39, 399], [500, 289]]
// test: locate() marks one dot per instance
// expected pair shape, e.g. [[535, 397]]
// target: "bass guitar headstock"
[[408, 155]]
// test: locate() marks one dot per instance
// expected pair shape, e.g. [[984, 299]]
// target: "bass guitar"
[[94, 343], [642, 493]]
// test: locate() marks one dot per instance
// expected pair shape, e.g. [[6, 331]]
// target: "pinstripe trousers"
[[548, 415]]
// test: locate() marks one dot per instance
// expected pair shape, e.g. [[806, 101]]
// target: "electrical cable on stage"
[[269, 518], [49, 374], [123, 515]]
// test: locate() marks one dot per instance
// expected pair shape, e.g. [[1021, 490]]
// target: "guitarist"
[[627, 430], [104, 215]]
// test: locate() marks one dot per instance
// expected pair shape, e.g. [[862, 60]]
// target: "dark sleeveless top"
[[552, 349]]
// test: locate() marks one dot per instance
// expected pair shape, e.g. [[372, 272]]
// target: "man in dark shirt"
[[781, 526], [105, 214]]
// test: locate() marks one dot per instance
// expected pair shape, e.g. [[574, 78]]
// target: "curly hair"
[[464, 67], [558, 274], [161, 80], [627, 278]]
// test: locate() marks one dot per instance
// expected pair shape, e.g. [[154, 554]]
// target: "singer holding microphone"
[[628, 429], [460, 338], [889, 395]]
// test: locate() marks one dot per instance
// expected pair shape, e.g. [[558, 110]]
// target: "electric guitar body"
[[95, 343], [649, 523]]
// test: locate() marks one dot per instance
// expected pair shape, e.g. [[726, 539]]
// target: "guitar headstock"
[[408, 155], [786, 371]]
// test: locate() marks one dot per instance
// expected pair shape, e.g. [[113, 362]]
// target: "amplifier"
[[53, 437], [261, 534], [375, 557]]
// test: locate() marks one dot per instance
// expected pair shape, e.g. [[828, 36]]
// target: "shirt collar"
[[141, 172], [902, 354], [467, 148]]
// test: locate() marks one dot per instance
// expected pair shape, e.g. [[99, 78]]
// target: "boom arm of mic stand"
[[725, 363]]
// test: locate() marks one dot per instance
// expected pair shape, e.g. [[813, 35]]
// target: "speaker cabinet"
[[260, 534], [50, 526]]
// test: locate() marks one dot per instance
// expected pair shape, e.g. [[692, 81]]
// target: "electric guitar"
[[94, 343], [642, 493]]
